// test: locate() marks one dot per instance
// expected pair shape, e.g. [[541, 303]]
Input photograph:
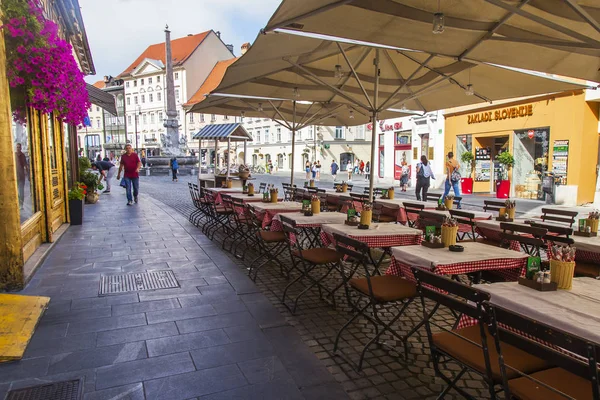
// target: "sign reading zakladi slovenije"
[[499, 115]]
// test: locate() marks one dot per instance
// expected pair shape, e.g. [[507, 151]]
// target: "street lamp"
[[138, 111]]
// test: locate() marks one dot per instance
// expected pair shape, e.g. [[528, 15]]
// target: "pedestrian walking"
[[174, 168], [98, 157], [107, 172], [367, 170], [424, 176], [405, 176], [143, 159], [452, 175], [314, 171], [350, 168], [334, 170], [307, 169], [318, 170], [362, 167], [130, 165]]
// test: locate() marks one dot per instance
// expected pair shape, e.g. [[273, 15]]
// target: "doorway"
[[344, 158]]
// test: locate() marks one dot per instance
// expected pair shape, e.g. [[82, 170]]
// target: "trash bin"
[[549, 188]]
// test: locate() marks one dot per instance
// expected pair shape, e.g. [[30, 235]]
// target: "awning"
[[234, 132], [102, 99], [553, 36]]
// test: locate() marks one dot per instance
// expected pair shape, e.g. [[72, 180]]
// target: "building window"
[[159, 96], [339, 132], [158, 79], [149, 81], [143, 98], [152, 121], [192, 117], [213, 118], [176, 75], [178, 114], [126, 84], [160, 116], [150, 98], [290, 136], [135, 100], [97, 109], [142, 81], [129, 120], [279, 134], [135, 83], [258, 136], [97, 122], [145, 119], [129, 101], [226, 117], [360, 132], [202, 118], [176, 94], [268, 139]]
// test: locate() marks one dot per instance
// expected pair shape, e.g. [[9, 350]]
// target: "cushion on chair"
[[272, 237], [320, 255], [386, 288], [472, 355], [587, 269], [573, 385]]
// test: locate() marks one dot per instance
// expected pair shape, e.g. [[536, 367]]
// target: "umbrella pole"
[[373, 149], [293, 142], [228, 155]]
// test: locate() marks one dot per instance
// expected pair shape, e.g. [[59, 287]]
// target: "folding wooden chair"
[[218, 217], [377, 292], [468, 347], [557, 215], [262, 187], [270, 247], [307, 262], [493, 205], [465, 218], [574, 370], [435, 197], [376, 191], [530, 238], [412, 212], [358, 200], [381, 213], [427, 218]]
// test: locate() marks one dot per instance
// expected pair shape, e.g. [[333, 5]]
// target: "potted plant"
[[243, 171], [467, 158], [506, 160], [76, 196], [90, 180]]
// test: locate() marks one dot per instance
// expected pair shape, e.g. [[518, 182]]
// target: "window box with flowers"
[[76, 196], [41, 70]]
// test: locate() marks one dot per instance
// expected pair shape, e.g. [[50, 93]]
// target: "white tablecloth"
[[494, 225], [284, 205], [591, 244], [225, 190], [576, 311], [426, 257], [257, 198], [399, 203], [376, 229], [479, 215]]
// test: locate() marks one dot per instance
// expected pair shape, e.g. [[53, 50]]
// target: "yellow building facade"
[[36, 161], [555, 133]]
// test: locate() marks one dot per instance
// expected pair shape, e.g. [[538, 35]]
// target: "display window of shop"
[[530, 150], [402, 154], [381, 169], [344, 158], [464, 144], [23, 153]]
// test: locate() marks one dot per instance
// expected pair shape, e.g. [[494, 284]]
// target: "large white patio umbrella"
[[290, 114], [552, 36], [372, 79]]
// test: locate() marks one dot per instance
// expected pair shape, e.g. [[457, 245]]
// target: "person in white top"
[[350, 168], [424, 176]]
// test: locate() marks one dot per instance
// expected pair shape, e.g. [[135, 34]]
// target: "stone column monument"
[[171, 123]]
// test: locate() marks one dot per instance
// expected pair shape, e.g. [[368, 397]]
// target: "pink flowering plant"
[[41, 69]]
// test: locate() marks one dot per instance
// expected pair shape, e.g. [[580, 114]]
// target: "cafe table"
[[588, 249], [267, 211], [575, 311], [218, 191], [476, 257], [257, 198], [310, 226], [399, 204]]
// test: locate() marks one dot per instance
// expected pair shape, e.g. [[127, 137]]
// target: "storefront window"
[[464, 144], [23, 153], [51, 141], [67, 151], [403, 138], [530, 150]]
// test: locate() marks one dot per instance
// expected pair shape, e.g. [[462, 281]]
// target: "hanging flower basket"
[[41, 69]]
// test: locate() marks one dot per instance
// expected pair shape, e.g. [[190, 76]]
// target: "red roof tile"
[[181, 49], [212, 81], [100, 84]]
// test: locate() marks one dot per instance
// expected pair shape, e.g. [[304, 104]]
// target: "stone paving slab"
[[215, 337]]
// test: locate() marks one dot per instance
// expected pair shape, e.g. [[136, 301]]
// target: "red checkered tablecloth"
[[587, 256], [402, 236]]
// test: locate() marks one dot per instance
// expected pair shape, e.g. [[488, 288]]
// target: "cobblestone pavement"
[[386, 373], [215, 337]]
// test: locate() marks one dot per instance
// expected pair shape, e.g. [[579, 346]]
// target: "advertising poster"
[[560, 158]]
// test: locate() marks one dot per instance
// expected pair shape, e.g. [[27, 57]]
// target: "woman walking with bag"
[[452, 175], [424, 176]]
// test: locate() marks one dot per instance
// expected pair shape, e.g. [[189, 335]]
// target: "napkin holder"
[[504, 219], [363, 227], [351, 223], [432, 245], [308, 213], [540, 287], [441, 208], [585, 234]]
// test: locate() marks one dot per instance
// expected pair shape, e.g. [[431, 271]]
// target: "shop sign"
[[386, 127], [499, 115]]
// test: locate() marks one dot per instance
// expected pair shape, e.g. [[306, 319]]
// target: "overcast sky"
[[120, 30]]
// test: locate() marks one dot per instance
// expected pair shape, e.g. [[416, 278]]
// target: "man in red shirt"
[[131, 164]]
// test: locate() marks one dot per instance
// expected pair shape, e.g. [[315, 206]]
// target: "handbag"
[[122, 183], [455, 177]]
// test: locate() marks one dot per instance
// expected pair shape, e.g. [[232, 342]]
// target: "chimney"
[[245, 47], [230, 47], [218, 33]]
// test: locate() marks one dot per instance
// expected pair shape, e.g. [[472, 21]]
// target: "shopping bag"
[[123, 184]]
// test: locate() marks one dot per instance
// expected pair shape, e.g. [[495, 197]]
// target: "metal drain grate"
[[66, 390], [117, 284]]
